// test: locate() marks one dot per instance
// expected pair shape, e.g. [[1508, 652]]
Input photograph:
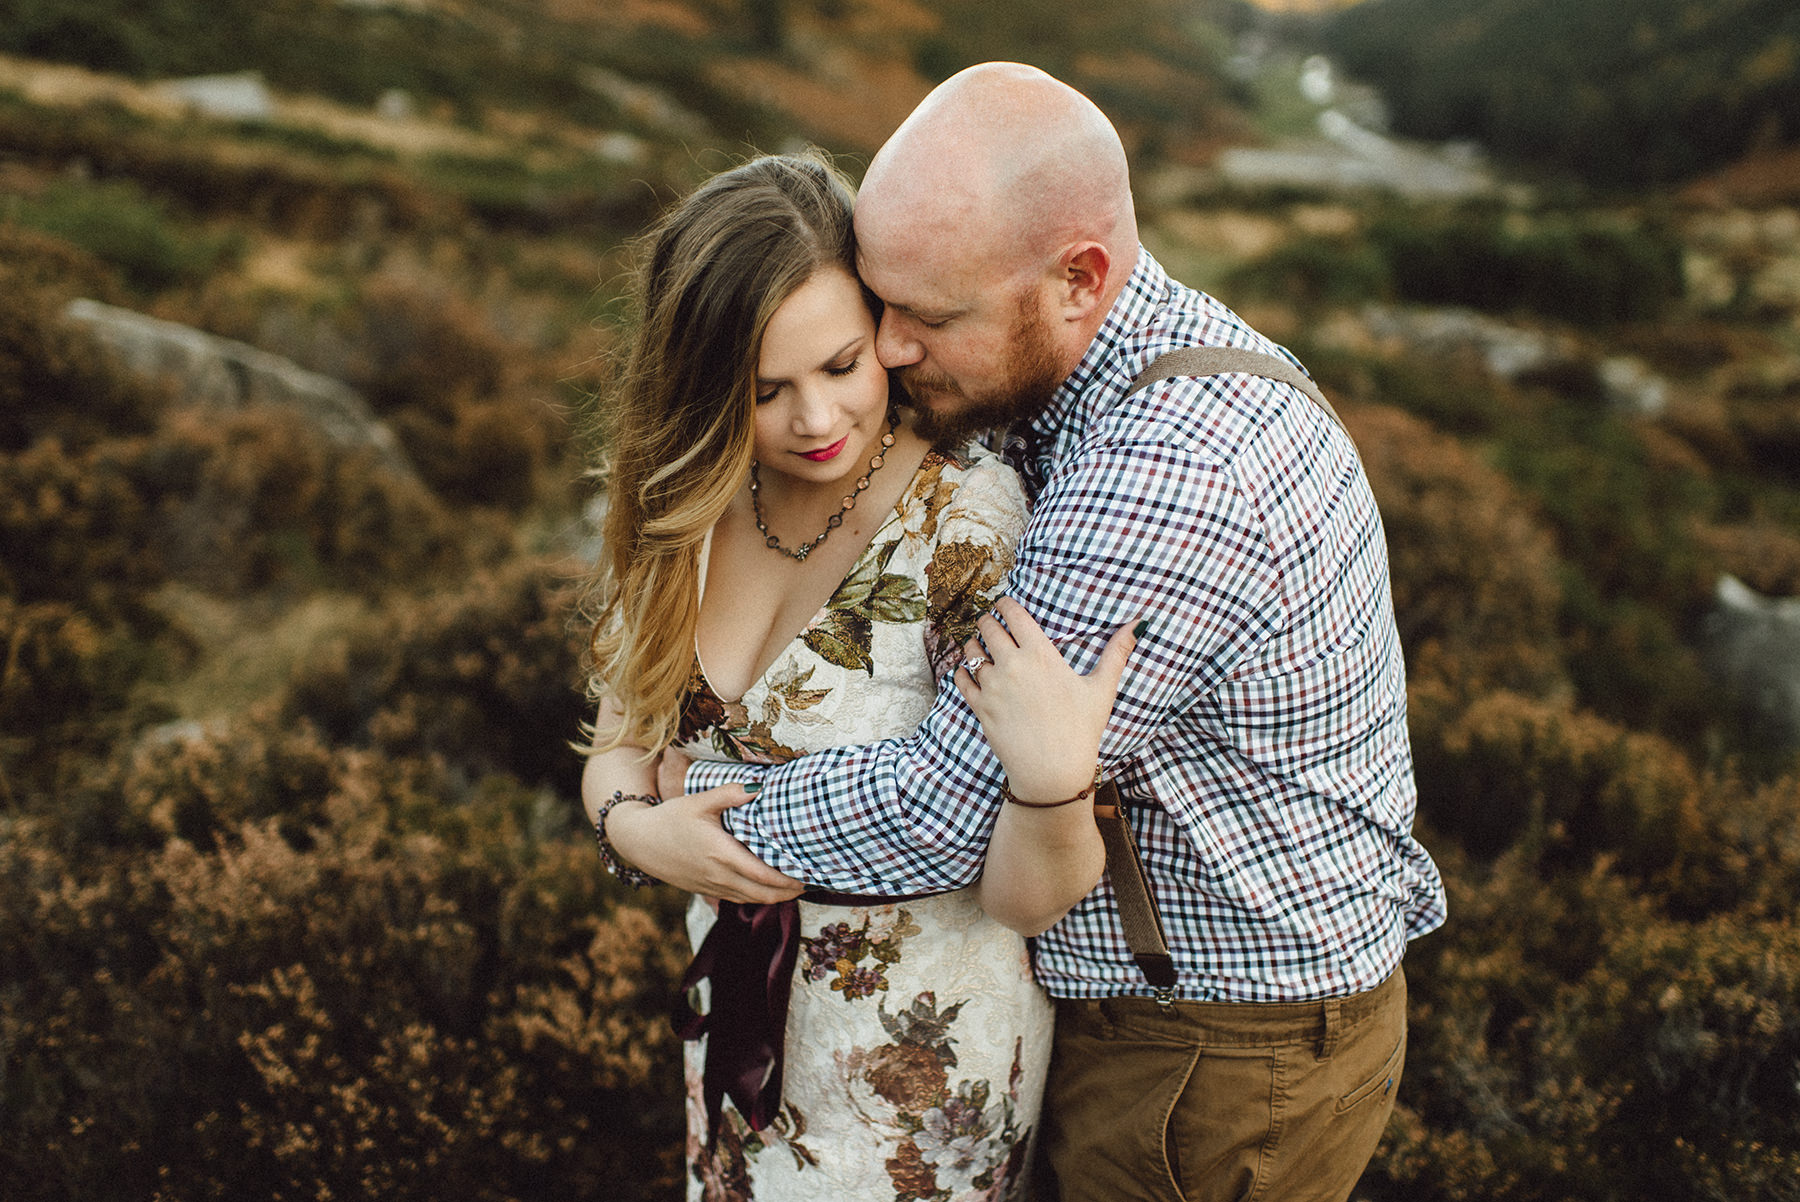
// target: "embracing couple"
[[951, 700]]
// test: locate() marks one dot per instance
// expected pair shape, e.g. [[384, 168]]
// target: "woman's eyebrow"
[[841, 352]]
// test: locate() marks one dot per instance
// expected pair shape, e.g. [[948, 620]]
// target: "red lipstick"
[[826, 453]]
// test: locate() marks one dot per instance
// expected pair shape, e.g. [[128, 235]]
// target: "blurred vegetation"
[[1621, 93], [295, 898]]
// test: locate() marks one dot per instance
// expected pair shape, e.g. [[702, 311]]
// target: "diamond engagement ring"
[[974, 664]]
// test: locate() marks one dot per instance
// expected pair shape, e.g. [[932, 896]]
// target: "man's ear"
[[1084, 268]]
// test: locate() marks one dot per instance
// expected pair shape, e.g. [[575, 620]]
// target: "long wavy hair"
[[678, 423]]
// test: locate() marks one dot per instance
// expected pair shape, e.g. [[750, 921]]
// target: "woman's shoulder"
[[971, 466], [966, 491]]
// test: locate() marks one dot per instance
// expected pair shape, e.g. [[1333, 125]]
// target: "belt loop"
[[1328, 1036]]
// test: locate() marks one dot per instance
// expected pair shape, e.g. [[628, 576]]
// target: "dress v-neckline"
[[893, 515]]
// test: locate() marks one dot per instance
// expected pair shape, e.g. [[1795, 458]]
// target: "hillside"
[[295, 899], [1627, 93]]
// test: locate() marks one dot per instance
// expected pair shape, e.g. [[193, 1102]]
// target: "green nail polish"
[[754, 786], [1137, 632]]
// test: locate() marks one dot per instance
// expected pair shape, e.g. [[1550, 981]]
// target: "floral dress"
[[917, 1041]]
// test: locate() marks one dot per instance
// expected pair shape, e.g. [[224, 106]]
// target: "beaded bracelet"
[[1006, 794], [637, 878]]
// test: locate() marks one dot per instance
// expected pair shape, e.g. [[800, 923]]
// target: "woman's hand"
[[1042, 718], [683, 843], [1044, 722]]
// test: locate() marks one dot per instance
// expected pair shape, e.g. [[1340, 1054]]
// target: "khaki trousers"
[[1210, 1102]]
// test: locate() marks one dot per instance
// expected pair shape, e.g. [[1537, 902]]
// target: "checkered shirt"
[[1259, 737]]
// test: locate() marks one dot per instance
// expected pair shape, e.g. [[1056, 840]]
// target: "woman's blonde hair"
[[678, 425]]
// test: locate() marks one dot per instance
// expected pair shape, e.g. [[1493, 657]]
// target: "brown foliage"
[[54, 382], [353, 1007], [486, 677], [258, 499], [451, 388], [55, 271], [1561, 785], [1763, 553], [75, 528], [1475, 586], [273, 188]]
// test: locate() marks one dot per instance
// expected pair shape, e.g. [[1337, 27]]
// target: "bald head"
[[1006, 161]]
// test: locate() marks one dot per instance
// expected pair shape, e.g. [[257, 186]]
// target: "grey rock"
[[1753, 649], [239, 97], [1508, 351], [221, 374]]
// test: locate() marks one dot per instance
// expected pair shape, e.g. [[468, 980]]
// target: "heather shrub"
[[1499, 1099], [1764, 553], [63, 675], [75, 528], [1636, 579], [407, 986], [120, 224], [1582, 270], [421, 349], [1315, 272], [1476, 591], [485, 678], [54, 382], [52, 271], [1571, 1040], [450, 388], [259, 499], [1563, 786], [484, 452]]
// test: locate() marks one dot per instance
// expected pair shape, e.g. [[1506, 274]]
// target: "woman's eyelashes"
[[769, 392]]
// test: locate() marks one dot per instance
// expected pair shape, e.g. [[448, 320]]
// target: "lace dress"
[[916, 1039]]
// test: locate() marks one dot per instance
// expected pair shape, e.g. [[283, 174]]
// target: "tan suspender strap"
[[1137, 910], [1230, 360]]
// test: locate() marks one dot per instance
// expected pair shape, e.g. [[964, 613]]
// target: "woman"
[[791, 567]]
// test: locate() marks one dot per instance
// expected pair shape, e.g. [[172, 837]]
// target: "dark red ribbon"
[[749, 956]]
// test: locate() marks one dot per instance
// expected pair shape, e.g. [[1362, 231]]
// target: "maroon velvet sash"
[[749, 957]]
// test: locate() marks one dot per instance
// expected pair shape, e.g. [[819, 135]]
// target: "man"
[[1259, 739]]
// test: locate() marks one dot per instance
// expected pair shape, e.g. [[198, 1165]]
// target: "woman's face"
[[821, 398]]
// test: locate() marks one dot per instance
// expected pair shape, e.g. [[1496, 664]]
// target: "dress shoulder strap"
[[1231, 360]]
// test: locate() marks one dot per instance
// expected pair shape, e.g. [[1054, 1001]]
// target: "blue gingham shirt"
[[1260, 733]]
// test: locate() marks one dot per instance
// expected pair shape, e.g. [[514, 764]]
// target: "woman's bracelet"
[[637, 878], [1006, 795]]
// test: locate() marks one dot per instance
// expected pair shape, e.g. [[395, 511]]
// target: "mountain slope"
[[1624, 92]]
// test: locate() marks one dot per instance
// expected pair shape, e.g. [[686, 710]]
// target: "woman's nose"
[[814, 413]]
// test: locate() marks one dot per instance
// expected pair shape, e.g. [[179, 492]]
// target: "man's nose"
[[895, 343]]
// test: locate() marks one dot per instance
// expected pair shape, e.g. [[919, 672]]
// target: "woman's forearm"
[[623, 769], [1040, 862]]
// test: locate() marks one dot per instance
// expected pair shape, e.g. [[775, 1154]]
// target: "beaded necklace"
[[800, 553]]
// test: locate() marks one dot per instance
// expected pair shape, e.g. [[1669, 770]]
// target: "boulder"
[[242, 96], [217, 373], [1753, 650]]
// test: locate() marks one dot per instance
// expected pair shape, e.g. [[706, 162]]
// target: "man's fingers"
[[756, 881]]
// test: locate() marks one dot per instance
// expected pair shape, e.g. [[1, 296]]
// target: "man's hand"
[[683, 842], [671, 773]]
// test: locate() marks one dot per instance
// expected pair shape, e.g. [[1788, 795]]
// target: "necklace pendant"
[[801, 554]]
